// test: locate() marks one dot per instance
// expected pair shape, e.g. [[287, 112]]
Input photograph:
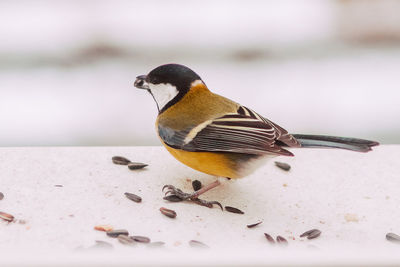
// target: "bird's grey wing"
[[241, 132], [282, 135]]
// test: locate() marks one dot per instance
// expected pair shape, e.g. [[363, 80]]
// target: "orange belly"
[[218, 164]]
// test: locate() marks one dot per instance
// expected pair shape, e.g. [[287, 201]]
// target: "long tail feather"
[[354, 144]]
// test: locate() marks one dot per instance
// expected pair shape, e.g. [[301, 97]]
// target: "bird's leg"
[[194, 196], [205, 188]]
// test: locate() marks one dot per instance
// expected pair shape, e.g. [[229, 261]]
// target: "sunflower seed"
[[233, 210], [253, 225], [168, 212], [1, 195], [136, 165], [310, 234], [156, 244], [282, 165], [269, 238], [314, 235], [7, 217], [116, 233], [141, 239], [120, 160], [306, 233], [281, 240], [133, 197], [58, 185], [126, 240], [197, 244], [393, 237], [173, 198], [196, 184]]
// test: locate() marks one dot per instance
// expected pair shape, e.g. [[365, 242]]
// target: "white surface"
[[321, 188]]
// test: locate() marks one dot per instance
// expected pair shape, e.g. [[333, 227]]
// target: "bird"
[[217, 136]]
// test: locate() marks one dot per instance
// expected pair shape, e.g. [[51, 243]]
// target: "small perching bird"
[[217, 136]]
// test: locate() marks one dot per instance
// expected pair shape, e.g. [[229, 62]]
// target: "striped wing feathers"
[[241, 132]]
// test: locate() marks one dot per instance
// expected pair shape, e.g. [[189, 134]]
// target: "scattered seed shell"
[[133, 197], [120, 160], [173, 198], [233, 210], [393, 237], [310, 234], [116, 233], [281, 240], [282, 165], [269, 238], [1, 195], [104, 228], [140, 239], [197, 244], [7, 217], [136, 165], [314, 234], [126, 240], [196, 184], [254, 224], [306, 233], [168, 212]]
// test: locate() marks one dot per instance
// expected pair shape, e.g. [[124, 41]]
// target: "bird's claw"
[[168, 192], [174, 194], [172, 190], [165, 186]]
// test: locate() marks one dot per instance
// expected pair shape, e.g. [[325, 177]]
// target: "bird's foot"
[[175, 195], [172, 190]]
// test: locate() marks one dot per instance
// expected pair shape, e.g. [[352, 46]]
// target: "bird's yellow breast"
[[217, 164]]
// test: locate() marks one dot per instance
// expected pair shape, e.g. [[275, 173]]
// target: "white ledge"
[[353, 198]]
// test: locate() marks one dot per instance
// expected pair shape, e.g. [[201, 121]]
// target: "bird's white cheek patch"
[[163, 93]]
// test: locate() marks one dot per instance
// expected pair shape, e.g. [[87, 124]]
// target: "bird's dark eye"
[[140, 83]]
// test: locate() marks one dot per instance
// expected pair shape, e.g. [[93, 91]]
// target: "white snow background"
[[67, 67]]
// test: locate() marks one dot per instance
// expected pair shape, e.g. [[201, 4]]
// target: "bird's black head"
[[168, 83]]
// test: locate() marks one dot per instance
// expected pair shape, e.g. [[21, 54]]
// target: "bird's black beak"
[[141, 82]]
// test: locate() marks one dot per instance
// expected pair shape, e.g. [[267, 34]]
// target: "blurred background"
[[322, 67]]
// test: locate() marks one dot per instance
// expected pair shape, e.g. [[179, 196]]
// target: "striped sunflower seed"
[[7, 217], [311, 234], [282, 165], [120, 160], [140, 239], [133, 197], [168, 212], [233, 210], [136, 165], [116, 233]]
